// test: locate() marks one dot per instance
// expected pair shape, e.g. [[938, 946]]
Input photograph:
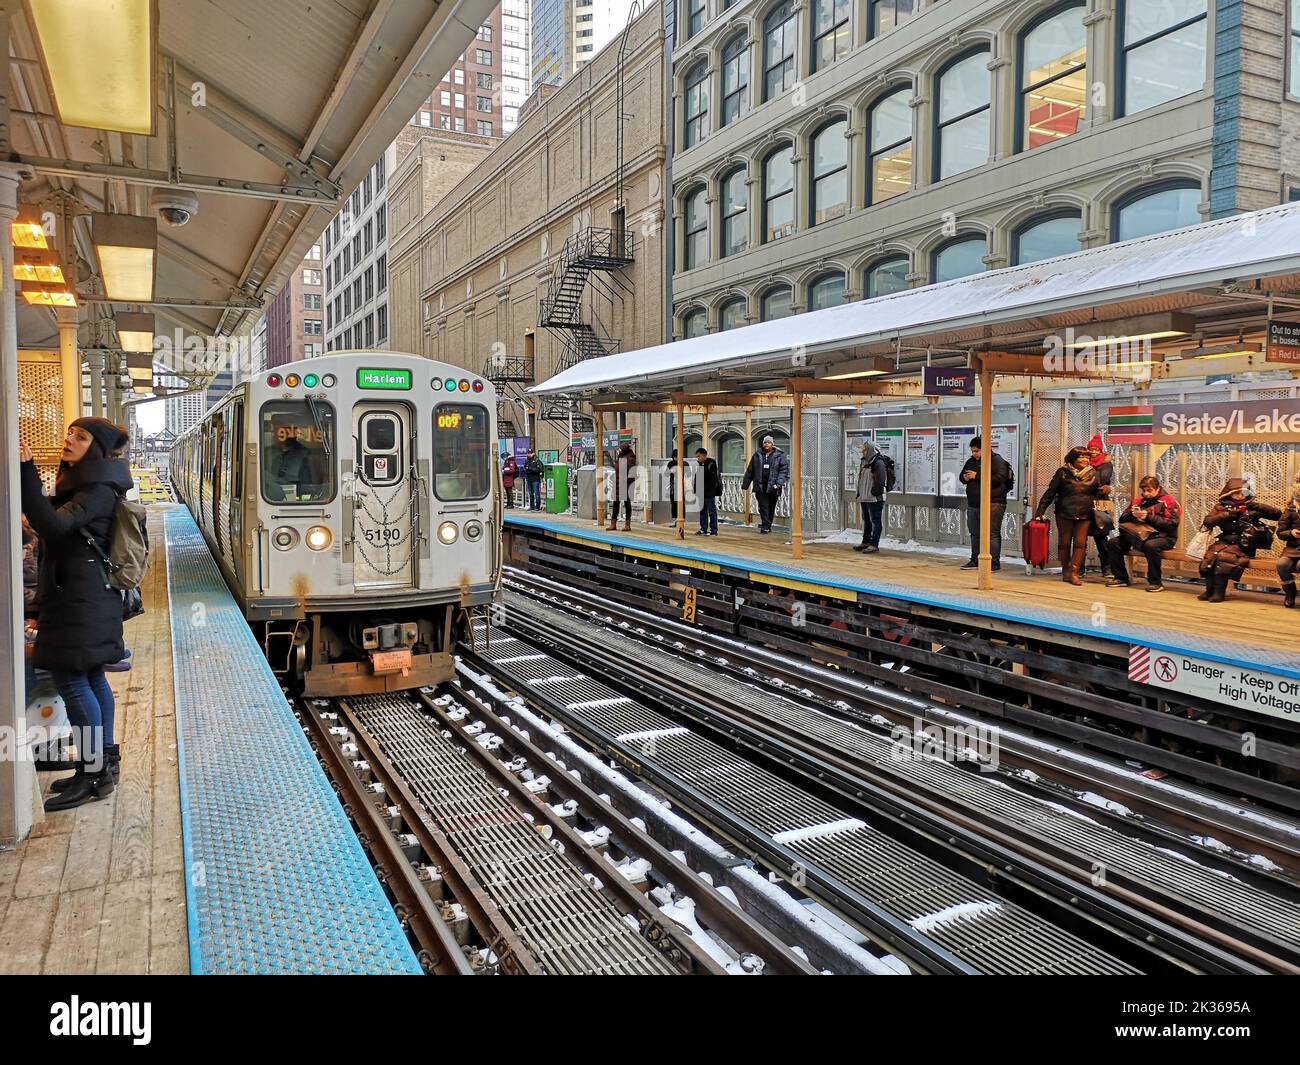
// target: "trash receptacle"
[[555, 487], [587, 488]]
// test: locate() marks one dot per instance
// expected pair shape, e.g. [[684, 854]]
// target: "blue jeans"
[[709, 514], [535, 494], [89, 701]]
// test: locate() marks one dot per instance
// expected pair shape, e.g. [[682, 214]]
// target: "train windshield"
[[296, 445], [460, 449]]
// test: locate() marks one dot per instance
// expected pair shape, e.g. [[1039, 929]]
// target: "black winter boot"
[[1288, 591], [113, 760], [63, 783], [1220, 591], [1209, 588], [84, 788]]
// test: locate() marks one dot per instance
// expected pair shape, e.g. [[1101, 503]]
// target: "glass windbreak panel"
[[1048, 239], [461, 466], [297, 446]]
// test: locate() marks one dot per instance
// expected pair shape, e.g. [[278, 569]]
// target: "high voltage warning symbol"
[[688, 607]]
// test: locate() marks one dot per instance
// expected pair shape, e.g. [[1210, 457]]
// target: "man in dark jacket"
[[709, 487], [873, 480], [80, 628], [1238, 518], [1003, 481], [768, 472], [533, 471], [1150, 525]]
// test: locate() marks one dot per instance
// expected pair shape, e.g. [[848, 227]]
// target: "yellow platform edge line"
[[805, 586], [674, 560]]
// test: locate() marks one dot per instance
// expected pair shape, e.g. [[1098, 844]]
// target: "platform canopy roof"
[[1216, 278], [269, 113]]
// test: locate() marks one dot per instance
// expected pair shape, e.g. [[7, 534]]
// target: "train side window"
[[296, 446], [461, 469], [237, 450]]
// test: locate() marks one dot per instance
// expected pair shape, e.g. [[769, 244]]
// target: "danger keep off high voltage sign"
[[1244, 689]]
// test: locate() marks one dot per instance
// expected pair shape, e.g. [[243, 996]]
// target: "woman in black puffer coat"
[[80, 627], [1075, 489], [1237, 518], [1288, 531]]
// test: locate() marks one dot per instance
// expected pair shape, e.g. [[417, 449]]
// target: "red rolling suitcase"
[[1034, 543]]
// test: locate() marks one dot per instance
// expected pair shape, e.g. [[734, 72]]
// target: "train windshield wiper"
[[320, 429]]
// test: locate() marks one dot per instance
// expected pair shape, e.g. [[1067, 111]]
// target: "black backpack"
[[891, 474]]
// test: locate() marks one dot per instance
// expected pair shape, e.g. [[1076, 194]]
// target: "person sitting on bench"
[[1238, 518], [1150, 526]]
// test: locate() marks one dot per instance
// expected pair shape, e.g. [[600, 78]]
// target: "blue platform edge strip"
[[1234, 654], [276, 881]]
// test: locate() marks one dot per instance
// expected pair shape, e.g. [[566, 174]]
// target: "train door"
[[384, 517]]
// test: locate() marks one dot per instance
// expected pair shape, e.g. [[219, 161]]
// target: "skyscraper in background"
[[295, 328], [356, 264], [183, 411], [566, 34], [483, 89]]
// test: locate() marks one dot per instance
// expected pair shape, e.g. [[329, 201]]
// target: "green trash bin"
[[555, 488]]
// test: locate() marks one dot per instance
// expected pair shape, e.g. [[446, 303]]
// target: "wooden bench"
[[1259, 571]]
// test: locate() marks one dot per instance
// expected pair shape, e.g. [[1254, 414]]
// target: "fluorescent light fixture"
[[48, 295], [703, 388], [1127, 330], [101, 61], [871, 366], [27, 230], [128, 253], [1220, 351], [38, 264], [135, 332]]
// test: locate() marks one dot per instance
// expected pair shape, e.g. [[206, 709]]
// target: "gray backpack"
[[128, 547]]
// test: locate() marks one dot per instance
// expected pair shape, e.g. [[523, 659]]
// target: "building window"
[[329, 317], [731, 315], [311, 301], [890, 164], [347, 301], [444, 97], [484, 80], [460, 125], [366, 192], [365, 234], [381, 273], [694, 17], [327, 240], [485, 33], [826, 291], [329, 273], [778, 51], [1295, 48], [696, 250], [830, 32], [314, 252], [886, 276], [735, 212], [311, 327], [778, 194], [482, 57], [884, 15], [337, 274], [962, 132], [732, 455], [1046, 237], [777, 303], [444, 121], [370, 283], [697, 104], [1162, 52], [460, 101], [483, 103], [380, 174], [425, 118], [484, 128], [1157, 210], [310, 351], [958, 258], [694, 324], [311, 277], [356, 293], [370, 329], [335, 228], [1053, 77], [458, 76], [381, 322], [735, 78], [356, 249], [830, 173]]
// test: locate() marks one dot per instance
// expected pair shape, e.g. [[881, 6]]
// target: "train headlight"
[[319, 537], [284, 538], [447, 532], [473, 530]]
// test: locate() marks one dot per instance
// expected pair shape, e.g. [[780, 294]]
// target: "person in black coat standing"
[[1150, 525], [768, 472], [80, 615], [1075, 489], [1003, 481], [710, 487], [534, 470]]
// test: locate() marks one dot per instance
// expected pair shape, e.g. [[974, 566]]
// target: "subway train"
[[352, 502]]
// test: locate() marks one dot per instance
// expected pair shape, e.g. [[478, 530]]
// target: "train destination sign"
[[390, 380], [1245, 689]]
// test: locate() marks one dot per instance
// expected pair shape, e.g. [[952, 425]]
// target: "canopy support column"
[[680, 516], [796, 478], [745, 454], [69, 365], [986, 480], [600, 467]]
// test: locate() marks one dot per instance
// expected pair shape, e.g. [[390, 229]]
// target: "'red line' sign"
[[1283, 342], [954, 382]]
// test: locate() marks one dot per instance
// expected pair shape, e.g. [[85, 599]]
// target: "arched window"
[[830, 172], [697, 104], [731, 455], [884, 15], [1053, 77], [695, 251], [1046, 237], [958, 258], [695, 323], [830, 32], [735, 212], [778, 194], [731, 315], [963, 112], [778, 50], [886, 276], [890, 164], [826, 291], [693, 440], [1157, 209], [1162, 51], [735, 79], [694, 17], [777, 303]]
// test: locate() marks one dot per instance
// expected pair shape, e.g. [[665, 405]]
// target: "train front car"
[[373, 515]]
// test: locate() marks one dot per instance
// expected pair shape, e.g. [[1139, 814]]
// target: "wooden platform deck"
[[1248, 620], [101, 889]]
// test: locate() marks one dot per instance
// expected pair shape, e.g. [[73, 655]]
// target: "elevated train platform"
[[224, 849]]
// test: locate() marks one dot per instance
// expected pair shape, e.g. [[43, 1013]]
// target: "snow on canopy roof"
[[1247, 246]]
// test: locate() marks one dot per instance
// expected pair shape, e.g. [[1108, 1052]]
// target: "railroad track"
[[488, 875], [987, 827]]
